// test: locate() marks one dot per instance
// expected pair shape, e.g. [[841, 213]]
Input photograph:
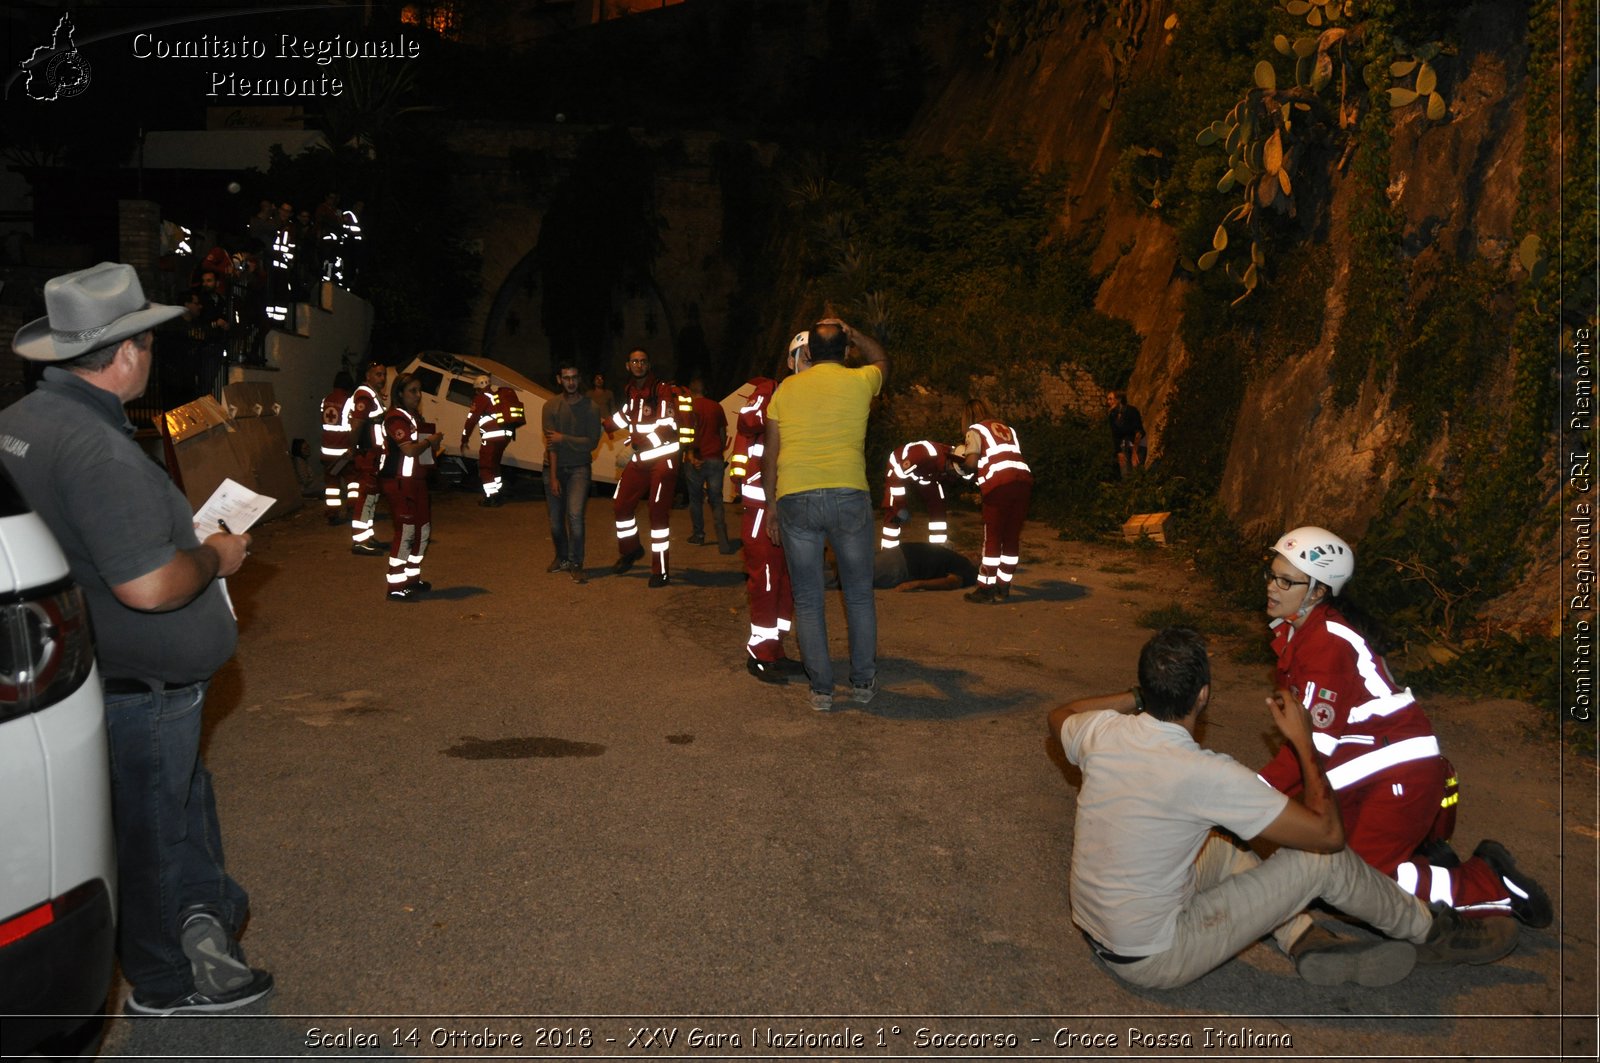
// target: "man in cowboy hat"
[[162, 626]]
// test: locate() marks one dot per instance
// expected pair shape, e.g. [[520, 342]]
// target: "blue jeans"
[[567, 512], [706, 478], [842, 517], [169, 846]]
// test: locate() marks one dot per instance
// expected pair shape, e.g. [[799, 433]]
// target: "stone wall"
[[692, 274], [1293, 457]]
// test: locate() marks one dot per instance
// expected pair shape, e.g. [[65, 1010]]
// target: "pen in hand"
[[231, 566]]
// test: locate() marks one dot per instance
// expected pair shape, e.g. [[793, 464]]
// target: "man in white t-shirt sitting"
[[1163, 898]]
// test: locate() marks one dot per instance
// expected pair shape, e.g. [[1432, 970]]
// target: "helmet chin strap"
[[1306, 605]]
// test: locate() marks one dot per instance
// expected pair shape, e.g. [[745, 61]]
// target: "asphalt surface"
[[524, 818]]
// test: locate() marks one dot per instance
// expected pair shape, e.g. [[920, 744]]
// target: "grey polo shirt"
[[578, 420], [117, 516]]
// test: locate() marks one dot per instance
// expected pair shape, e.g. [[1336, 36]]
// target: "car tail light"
[[46, 649], [40, 916]]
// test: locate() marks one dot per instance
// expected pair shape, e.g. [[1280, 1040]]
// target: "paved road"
[[528, 809]]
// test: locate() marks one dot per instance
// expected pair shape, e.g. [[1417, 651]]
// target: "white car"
[[57, 856], [447, 393]]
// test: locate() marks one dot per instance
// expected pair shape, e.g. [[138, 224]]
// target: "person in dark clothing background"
[[1127, 433]]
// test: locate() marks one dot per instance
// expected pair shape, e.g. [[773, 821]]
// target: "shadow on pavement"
[[1053, 590], [455, 594], [914, 690]]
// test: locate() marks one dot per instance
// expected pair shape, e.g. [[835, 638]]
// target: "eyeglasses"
[[638, 361], [1282, 583]]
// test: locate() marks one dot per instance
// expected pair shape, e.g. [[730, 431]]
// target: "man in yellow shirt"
[[815, 467]]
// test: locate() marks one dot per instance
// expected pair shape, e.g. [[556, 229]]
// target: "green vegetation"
[[1461, 344], [1454, 534], [1502, 665], [1370, 300], [955, 263], [1161, 165], [1272, 134]]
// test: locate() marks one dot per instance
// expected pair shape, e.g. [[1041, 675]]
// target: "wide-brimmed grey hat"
[[87, 309]]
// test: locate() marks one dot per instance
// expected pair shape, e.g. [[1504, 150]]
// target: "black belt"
[[140, 686], [1106, 954]]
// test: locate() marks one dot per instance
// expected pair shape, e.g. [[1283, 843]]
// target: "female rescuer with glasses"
[[1395, 789]]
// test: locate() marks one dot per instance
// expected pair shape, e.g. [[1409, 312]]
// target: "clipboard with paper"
[[232, 507]]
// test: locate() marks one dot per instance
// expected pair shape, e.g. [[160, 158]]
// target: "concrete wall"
[[334, 333]]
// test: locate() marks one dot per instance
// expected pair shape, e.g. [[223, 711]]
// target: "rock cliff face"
[[1294, 457]]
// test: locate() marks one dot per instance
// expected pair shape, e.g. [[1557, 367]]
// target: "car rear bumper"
[[55, 977]]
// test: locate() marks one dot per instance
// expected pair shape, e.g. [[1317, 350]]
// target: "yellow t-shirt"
[[822, 427]]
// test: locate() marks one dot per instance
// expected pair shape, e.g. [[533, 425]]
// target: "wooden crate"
[[1152, 526]]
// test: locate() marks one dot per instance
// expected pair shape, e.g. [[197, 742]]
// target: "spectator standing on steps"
[[814, 465], [215, 326]]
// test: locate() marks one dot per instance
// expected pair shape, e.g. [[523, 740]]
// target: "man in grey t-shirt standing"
[[571, 432], [162, 627]]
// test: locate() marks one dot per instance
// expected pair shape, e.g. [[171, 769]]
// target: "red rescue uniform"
[[649, 415], [1381, 757], [362, 418], [765, 570], [496, 413], [920, 466], [405, 487], [1006, 483], [335, 449]]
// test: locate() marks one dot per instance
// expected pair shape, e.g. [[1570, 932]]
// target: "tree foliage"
[[1309, 90], [955, 261]]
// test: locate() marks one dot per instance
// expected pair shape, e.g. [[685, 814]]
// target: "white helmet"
[[800, 343], [1320, 554], [481, 381]]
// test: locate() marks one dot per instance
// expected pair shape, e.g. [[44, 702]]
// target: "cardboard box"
[[242, 440], [262, 447], [1152, 526], [202, 444]]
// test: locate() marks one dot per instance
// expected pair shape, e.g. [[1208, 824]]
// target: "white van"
[[447, 393]]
